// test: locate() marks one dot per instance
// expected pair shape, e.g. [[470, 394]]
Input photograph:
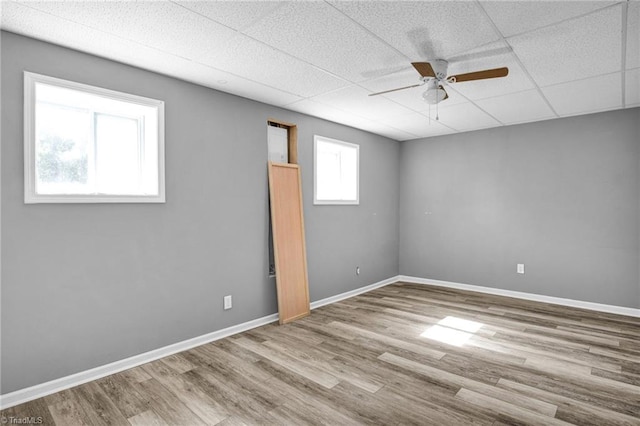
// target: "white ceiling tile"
[[20, 19], [309, 107], [418, 124], [423, 30], [316, 109], [387, 131], [253, 60], [234, 14], [464, 117], [356, 100], [317, 33], [517, 107], [23, 20], [516, 17], [632, 87], [572, 50], [585, 96], [396, 134], [493, 55], [160, 25], [259, 92], [633, 35]]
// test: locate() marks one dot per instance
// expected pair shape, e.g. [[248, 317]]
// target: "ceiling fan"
[[434, 75]]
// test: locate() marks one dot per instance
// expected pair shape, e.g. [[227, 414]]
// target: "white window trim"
[[316, 138], [30, 195]]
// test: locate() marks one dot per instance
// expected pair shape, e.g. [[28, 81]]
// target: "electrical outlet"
[[227, 302], [520, 268], [357, 270]]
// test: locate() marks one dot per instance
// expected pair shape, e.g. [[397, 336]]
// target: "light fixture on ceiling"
[[434, 96]]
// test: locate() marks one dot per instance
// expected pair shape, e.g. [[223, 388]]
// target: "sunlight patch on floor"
[[452, 331]]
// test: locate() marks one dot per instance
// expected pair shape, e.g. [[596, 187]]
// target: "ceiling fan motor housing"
[[440, 68]]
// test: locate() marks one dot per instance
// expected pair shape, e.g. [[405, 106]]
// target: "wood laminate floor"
[[376, 359]]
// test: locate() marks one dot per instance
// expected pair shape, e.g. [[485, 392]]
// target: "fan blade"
[[424, 69], [394, 90], [480, 75]]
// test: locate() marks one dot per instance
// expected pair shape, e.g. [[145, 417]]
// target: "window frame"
[[30, 194], [318, 138]]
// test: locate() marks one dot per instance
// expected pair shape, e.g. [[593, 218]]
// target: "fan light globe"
[[433, 96]]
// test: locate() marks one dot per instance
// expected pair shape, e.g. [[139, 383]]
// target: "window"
[[336, 171], [86, 144]]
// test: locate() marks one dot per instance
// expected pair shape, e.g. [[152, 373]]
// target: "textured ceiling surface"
[[324, 58]]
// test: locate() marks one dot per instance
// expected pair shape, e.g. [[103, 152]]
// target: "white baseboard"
[[348, 294], [612, 309], [57, 385]]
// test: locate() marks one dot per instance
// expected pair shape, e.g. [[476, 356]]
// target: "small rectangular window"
[[86, 144], [336, 171]]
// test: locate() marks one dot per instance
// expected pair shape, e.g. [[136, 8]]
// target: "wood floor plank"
[[67, 410], [167, 405], [367, 361], [513, 411], [177, 363], [135, 375], [124, 395], [572, 410], [391, 341], [99, 408], [298, 366], [469, 384], [203, 405], [147, 418], [32, 412]]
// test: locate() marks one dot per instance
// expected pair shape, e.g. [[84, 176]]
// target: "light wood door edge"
[[270, 166]]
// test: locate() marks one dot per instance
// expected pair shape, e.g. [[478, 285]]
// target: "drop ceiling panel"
[[317, 33], [465, 117], [586, 96], [239, 86], [160, 25], [236, 15], [518, 107], [253, 60], [493, 55], [355, 100], [21, 19], [309, 107], [632, 87], [518, 17], [24, 20], [418, 125], [391, 132], [574, 49], [633, 35], [315, 109], [398, 135], [423, 30]]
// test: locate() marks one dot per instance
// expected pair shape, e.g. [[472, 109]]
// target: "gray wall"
[[560, 196], [84, 285]]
